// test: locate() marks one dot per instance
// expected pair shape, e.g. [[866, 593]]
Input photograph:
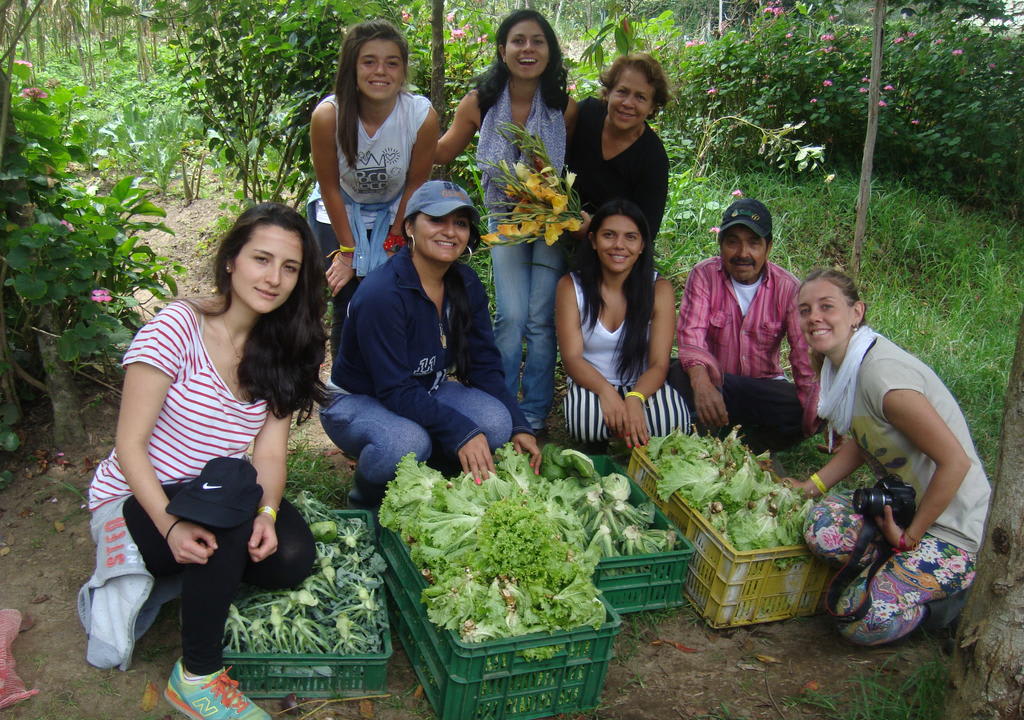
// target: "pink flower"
[[991, 66], [69, 226], [482, 39], [958, 51], [826, 83], [814, 100], [737, 193], [458, 34], [898, 40], [571, 87], [450, 17], [34, 93], [712, 91], [911, 34], [406, 16], [100, 295], [888, 87], [915, 122], [939, 41], [829, 49], [866, 79], [833, 18], [882, 103], [714, 230], [863, 89], [789, 35], [26, 63], [827, 37]]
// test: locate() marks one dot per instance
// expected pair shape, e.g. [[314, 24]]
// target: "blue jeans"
[[362, 427], [525, 278]]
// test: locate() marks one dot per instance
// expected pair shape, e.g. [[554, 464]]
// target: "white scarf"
[[835, 400]]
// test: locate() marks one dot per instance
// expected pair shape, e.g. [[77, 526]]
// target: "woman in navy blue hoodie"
[[418, 318]]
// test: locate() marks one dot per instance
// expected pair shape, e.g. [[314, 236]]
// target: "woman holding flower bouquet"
[[526, 86], [615, 320], [373, 145], [614, 152], [419, 317]]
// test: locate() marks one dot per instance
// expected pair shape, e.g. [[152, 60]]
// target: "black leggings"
[[208, 590]]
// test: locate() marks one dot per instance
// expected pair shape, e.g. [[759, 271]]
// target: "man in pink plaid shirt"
[[735, 311]]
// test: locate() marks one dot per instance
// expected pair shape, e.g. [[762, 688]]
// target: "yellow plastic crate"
[[730, 587]]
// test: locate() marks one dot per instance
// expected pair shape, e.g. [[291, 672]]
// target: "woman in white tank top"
[[614, 319], [373, 145]]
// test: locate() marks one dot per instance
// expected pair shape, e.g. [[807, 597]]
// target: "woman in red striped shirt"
[[204, 380]]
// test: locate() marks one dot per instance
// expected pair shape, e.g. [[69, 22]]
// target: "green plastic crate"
[[267, 675], [468, 681], [643, 582]]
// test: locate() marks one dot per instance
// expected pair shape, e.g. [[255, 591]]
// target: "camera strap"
[[852, 569]]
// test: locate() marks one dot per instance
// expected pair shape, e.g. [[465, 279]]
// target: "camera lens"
[[870, 501]]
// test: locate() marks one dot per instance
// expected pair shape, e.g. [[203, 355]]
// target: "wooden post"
[[874, 94]]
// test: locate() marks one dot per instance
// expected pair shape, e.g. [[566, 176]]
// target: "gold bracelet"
[[269, 511], [818, 483], [639, 395]]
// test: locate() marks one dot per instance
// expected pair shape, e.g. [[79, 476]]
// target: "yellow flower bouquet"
[[544, 203]]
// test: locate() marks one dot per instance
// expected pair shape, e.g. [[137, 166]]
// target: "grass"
[[883, 695], [310, 470]]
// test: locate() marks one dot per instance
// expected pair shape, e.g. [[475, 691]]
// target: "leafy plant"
[[150, 141], [254, 73], [72, 261], [947, 90]]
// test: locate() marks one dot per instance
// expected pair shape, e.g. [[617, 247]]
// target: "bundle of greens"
[[730, 486], [516, 554], [338, 610]]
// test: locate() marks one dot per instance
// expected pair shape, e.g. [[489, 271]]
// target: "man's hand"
[[710, 405]]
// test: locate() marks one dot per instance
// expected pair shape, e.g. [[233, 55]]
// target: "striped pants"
[[666, 410]]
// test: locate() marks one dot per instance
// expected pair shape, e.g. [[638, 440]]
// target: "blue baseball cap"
[[440, 197]]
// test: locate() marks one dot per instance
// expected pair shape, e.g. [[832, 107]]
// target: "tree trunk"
[[867, 162], [437, 94], [68, 428], [986, 677]]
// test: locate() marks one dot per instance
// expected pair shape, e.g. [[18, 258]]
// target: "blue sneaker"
[[214, 697]]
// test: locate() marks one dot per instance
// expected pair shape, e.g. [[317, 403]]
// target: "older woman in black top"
[[614, 152]]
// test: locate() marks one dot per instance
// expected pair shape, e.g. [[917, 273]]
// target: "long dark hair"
[[282, 356], [460, 315], [847, 287], [346, 92], [638, 287], [492, 81]]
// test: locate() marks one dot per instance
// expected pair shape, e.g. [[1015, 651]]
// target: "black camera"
[[890, 491]]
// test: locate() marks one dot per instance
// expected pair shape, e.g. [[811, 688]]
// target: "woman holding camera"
[[906, 425]]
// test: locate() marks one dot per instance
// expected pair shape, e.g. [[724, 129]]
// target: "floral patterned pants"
[[903, 584]]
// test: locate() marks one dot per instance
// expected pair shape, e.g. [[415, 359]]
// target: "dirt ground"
[[667, 664]]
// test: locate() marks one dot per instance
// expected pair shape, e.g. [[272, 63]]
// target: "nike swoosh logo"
[[208, 486]]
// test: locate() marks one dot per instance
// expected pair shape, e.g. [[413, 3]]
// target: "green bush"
[[950, 92], [71, 258]]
